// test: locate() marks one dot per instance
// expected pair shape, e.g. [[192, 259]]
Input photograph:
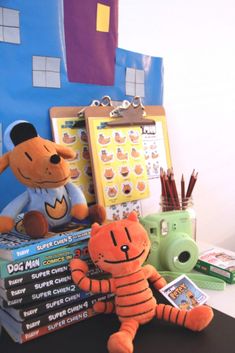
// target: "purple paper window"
[[91, 39]]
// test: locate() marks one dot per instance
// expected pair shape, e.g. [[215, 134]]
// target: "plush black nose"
[[55, 159], [124, 248]]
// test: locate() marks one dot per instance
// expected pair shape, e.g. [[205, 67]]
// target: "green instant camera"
[[172, 245]]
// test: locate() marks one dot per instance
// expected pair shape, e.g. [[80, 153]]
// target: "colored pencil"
[[174, 191]]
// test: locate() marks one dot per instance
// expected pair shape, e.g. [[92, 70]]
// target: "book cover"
[[37, 286], [183, 293], [217, 262], [45, 260], [43, 330], [44, 294], [28, 277], [50, 288], [25, 312], [51, 316], [17, 245], [16, 281]]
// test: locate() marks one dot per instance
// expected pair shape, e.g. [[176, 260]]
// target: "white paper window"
[[134, 82], [46, 72], [9, 25]]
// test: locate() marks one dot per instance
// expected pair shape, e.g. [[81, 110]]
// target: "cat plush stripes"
[[120, 248]]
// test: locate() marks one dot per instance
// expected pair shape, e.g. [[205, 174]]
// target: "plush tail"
[[196, 319], [104, 307]]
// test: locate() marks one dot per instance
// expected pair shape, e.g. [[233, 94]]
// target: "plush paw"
[[120, 342], [199, 318], [35, 224], [79, 265], [79, 211], [6, 224], [160, 283], [97, 214]]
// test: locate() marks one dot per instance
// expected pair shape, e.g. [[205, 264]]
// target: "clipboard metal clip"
[[104, 102], [130, 114]]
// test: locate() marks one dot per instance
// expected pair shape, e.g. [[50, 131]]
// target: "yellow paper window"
[[102, 18]]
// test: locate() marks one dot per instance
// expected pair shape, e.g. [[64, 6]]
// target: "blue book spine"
[[44, 260], [51, 243]]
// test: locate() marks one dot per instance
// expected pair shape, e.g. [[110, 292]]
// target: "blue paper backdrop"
[[41, 34]]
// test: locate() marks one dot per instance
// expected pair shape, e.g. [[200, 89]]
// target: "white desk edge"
[[223, 301]]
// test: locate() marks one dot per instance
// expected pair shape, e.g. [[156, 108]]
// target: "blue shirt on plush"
[[54, 204]]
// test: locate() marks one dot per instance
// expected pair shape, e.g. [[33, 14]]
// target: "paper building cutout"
[[46, 71], [9, 25], [102, 18], [42, 48], [90, 39], [134, 82]]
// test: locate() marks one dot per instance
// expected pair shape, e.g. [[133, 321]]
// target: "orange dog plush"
[[51, 199], [120, 248]]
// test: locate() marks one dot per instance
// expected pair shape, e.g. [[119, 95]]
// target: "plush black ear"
[[22, 132]]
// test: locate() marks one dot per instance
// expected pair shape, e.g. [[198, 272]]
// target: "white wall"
[[196, 39]]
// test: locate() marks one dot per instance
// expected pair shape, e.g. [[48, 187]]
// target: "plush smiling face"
[[36, 162], [39, 163], [120, 247]]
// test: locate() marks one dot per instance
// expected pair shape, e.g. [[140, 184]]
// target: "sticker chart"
[[156, 155], [76, 138], [126, 163], [119, 163]]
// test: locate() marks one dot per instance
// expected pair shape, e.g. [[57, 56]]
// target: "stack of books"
[[37, 294]]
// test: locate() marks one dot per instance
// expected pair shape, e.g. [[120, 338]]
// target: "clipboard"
[[68, 128], [155, 149]]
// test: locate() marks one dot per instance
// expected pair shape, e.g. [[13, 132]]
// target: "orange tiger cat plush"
[[120, 248]]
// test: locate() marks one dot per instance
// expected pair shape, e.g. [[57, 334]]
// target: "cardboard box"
[[217, 262]]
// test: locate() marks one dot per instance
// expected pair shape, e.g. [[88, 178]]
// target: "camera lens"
[[179, 254], [184, 257]]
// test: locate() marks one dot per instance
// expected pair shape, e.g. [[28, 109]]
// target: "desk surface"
[[91, 336], [223, 301]]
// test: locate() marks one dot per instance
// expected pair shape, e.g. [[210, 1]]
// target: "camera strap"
[[201, 280]]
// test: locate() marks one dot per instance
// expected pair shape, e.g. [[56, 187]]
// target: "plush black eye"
[[28, 156], [113, 238], [46, 148], [128, 234]]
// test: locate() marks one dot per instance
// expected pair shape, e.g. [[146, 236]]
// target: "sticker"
[[126, 188], [85, 153], [124, 171], [134, 136], [83, 136], [106, 156], [112, 191], [109, 173], [75, 173], [138, 169], [103, 140], [68, 139], [141, 186], [135, 153], [119, 138], [121, 155]]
